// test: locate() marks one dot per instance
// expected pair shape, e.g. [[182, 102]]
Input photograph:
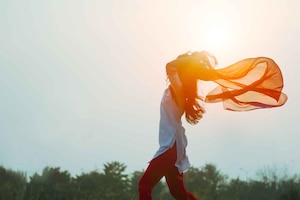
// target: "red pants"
[[164, 165]]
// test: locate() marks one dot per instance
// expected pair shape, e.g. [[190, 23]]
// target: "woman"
[[170, 160], [181, 97]]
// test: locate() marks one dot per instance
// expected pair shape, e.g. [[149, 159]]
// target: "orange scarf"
[[249, 84]]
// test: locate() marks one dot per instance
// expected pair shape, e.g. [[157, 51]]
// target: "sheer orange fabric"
[[249, 84]]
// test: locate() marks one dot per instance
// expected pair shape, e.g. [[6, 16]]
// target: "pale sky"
[[81, 82]]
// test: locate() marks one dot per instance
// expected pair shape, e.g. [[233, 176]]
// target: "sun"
[[214, 30], [217, 35]]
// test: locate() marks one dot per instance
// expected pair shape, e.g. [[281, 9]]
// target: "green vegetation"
[[113, 183]]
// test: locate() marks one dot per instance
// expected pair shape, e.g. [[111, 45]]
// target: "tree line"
[[207, 183]]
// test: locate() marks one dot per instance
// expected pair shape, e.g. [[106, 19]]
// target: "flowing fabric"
[[249, 84]]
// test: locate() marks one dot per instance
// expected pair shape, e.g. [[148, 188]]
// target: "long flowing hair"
[[188, 75]]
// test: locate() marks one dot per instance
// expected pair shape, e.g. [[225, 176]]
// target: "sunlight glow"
[[217, 35], [216, 30]]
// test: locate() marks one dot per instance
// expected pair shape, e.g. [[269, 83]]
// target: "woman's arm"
[[193, 66], [176, 84]]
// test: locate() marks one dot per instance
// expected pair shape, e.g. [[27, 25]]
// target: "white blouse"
[[171, 131]]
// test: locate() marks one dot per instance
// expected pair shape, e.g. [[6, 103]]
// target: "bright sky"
[[81, 82]]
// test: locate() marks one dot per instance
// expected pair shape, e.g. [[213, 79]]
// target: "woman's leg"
[[157, 168], [176, 185]]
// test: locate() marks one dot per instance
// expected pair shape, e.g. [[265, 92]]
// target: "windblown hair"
[[189, 78]]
